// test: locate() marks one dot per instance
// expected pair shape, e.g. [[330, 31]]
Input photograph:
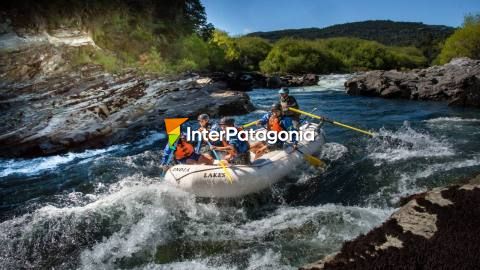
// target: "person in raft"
[[275, 120], [205, 124], [237, 150], [184, 153], [287, 101]]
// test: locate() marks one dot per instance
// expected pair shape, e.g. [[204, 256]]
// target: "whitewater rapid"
[[108, 208]]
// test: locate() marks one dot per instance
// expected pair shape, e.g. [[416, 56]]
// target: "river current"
[[109, 209]]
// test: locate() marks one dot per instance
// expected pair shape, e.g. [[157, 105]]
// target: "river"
[[108, 208]]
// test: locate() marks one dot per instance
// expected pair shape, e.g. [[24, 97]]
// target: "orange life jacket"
[[183, 150], [274, 124]]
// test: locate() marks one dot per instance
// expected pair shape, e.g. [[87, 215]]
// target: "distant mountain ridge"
[[384, 31]]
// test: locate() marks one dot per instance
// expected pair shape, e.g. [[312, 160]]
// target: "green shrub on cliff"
[[162, 36], [464, 42]]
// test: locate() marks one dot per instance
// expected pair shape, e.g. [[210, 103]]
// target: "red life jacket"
[[183, 150], [274, 124]]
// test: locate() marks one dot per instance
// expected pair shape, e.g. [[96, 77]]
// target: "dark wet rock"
[[291, 81], [438, 229], [246, 81], [457, 82], [240, 81]]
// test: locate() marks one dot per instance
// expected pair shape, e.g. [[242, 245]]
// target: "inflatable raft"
[[211, 181]]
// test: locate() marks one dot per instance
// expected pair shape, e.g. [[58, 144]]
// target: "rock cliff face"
[[48, 108], [439, 229], [457, 82]]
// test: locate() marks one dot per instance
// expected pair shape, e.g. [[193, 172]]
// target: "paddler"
[[275, 120], [184, 153], [237, 150], [287, 101], [206, 125]]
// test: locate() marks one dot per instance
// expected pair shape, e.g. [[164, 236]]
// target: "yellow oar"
[[313, 160], [250, 124], [225, 170], [332, 122]]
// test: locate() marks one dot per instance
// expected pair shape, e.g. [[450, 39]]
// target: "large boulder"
[[90, 108], [438, 229], [457, 82]]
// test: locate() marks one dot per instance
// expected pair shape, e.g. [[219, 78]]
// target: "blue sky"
[[241, 17]]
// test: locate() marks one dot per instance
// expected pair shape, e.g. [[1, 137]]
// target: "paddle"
[[331, 121], [385, 138], [250, 124], [170, 155], [227, 173], [313, 160]]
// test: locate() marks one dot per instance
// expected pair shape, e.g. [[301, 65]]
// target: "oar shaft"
[[332, 122], [250, 124], [352, 128], [225, 170]]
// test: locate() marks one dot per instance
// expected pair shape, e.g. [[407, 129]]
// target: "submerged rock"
[[457, 82], [438, 229]]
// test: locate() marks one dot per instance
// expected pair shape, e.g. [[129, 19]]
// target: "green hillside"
[[425, 37]]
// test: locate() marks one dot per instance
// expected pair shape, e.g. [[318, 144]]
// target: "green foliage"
[[193, 54], [419, 35], [252, 50], [337, 55], [464, 42], [153, 62], [227, 44], [299, 56], [161, 36]]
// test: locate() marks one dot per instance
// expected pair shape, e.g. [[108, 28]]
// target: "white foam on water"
[[152, 138], [346, 221], [407, 183], [259, 260], [200, 264], [333, 151], [406, 143], [333, 82], [38, 165], [136, 214], [451, 119]]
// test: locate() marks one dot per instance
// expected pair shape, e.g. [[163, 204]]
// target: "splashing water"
[[109, 209]]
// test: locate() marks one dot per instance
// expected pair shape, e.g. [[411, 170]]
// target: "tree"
[[299, 56], [464, 42], [252, 50]]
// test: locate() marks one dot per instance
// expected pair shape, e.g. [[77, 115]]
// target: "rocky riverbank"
[[457, 82], [48, 107], [438, 229]]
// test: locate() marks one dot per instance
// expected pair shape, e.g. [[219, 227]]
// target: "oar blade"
[[227, 173], [314, 161]]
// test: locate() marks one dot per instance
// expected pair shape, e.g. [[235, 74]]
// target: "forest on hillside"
[[427, 38], [171, 36]]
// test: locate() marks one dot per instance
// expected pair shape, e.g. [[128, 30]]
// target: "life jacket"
[[183, 150], [274, 124], [242, 146]]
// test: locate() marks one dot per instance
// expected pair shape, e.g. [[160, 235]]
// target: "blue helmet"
[[283, 90]]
